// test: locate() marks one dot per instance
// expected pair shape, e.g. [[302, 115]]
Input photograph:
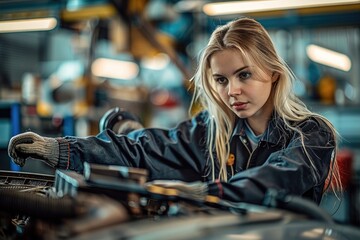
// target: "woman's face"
[[244, 89]]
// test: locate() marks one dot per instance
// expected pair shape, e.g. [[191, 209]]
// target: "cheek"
[[223, 94], [263, 92]]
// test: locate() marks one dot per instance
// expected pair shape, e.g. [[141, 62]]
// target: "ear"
[[275, 76]]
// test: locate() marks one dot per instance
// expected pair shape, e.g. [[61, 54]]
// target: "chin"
[[242, 115]]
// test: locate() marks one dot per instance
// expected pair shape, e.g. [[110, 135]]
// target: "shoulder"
[[314, 123], [314, 128], [317, 131], [202, 117]]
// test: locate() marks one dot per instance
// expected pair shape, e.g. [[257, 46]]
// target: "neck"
[[260, 120], [257, 127]]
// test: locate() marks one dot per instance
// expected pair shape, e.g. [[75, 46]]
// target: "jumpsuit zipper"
[[244, 141]]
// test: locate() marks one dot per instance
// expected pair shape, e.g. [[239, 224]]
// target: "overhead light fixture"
[[28, 25], [115, 69], [236, 7], [328, 57], [157, 62]]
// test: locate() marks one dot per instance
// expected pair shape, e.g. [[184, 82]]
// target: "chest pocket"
[[245, 158]]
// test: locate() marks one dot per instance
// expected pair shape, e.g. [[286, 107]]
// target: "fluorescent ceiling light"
[[28, 25], [116, 69], [235, 7], [328, 57], [158, 62]]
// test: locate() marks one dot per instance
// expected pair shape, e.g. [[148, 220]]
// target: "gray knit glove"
[[30, 144], [127, 126]]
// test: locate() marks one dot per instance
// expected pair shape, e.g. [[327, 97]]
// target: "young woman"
[[253, 133]]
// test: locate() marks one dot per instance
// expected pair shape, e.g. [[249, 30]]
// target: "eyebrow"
[[234, 73]]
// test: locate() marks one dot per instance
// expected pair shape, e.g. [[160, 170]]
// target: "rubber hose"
[[279, 199], [304, 206]]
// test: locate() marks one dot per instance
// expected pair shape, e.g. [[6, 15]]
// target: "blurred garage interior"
[[65, 63]]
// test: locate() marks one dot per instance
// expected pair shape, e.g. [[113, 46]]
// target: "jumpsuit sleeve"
[[288, 170], [173, 154]]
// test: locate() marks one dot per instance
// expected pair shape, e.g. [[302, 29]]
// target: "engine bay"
[[113, 202]]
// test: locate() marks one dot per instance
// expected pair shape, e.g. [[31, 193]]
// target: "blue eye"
[[244, 75], [221, 80]]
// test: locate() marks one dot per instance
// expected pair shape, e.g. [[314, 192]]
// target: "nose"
[[234, 88]]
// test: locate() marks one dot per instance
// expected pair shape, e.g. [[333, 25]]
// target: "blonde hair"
[[254, 43]]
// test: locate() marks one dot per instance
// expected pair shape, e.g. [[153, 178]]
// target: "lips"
[[239, 105]]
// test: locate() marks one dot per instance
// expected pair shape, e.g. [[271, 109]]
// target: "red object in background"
[[57, 121], [345, 163], [30, 110], [164, 99]]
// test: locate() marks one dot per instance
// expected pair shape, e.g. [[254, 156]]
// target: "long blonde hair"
[[252, 41]]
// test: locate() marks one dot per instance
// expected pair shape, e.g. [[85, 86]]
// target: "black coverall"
[[279, 161]]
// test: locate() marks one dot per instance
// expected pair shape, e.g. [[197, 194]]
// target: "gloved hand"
[[30, 144], [120, 120], [127, 126]]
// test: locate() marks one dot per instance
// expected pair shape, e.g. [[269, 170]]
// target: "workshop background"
[[65, 63]]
